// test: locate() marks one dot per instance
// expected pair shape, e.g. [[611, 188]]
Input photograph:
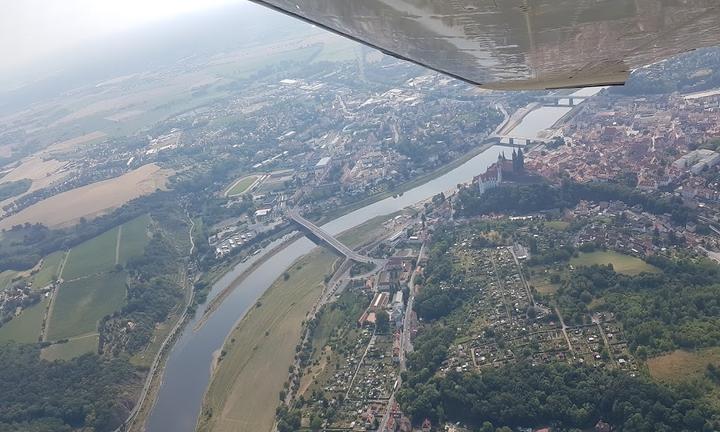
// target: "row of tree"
[[539, 197]]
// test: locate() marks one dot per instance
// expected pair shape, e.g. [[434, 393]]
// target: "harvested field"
[[93, 200], [73, 143], [34, 168]]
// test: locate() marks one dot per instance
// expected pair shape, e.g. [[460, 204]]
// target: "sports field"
[[241, 185], [81, 303], [625, 264]]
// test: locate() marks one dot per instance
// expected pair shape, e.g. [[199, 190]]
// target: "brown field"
[[682, 366], [43, 173], [73, 143], [34, 168], [124, 115], [92, 200]]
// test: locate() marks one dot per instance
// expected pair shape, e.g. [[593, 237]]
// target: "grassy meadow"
[[81, 303], [625, 264]]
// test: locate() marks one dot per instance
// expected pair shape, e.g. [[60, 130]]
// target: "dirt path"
[[117, 245], [53, 296], [83, 336]]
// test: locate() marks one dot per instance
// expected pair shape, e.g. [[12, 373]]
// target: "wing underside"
[[521, 44]]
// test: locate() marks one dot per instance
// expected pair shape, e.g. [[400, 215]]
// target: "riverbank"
[[260, 349], [404, 187], [222, 295]]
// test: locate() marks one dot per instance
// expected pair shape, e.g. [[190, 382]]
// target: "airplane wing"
[[521, 44]]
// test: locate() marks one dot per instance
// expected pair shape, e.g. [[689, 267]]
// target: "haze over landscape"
[[215, 217]]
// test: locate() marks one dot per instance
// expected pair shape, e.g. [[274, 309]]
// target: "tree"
[[382, 321]]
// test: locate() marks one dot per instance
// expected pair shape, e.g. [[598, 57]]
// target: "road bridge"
[[328, 239], [555, 99]]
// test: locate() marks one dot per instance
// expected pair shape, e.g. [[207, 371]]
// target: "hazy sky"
[[31, 29]]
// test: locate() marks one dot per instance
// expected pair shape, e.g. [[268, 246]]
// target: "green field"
[[93, 256], [81, 303], [5, 278], [49, 270], [543, 285], [240, 186], [97, 255], [71, 349], [26, 327], [625, 264], [557, 225], [134, 238]]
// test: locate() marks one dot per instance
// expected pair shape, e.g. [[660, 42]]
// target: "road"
[[522, 276], [564, 330], [405, 342]]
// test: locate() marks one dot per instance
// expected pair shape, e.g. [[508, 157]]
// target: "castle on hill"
[[493, 176]]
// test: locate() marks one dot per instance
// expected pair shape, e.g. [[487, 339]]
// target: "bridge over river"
[[328, 239]]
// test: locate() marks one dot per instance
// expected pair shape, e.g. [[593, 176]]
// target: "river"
[[187, 371], [544, 117]]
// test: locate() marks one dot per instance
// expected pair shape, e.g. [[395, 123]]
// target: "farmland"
[[92, 286], [72, 348], [81, 303], [93, 256], [621, 263], [49, 271], [89, 201], [26, 327], [133, 238]]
